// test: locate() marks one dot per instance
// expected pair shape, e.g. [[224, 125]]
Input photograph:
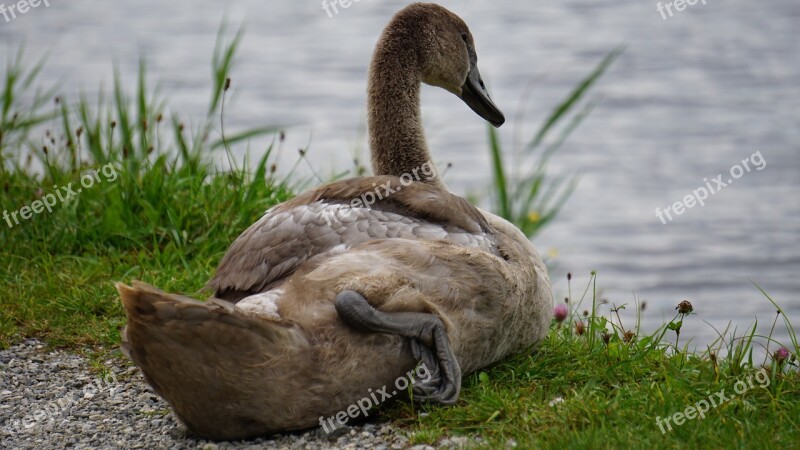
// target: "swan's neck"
[[396, 136]]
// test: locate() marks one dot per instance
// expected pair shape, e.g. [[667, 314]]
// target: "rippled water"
[[691, 96]]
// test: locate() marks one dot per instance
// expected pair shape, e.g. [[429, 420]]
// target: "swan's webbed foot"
[[429, 343], [428, 389]]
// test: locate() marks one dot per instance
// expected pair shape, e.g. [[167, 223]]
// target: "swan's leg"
[[429, 342]]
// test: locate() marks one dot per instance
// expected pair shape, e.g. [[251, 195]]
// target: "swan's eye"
[[465, 38]]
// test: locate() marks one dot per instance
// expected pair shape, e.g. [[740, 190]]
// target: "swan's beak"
[[474, 94]]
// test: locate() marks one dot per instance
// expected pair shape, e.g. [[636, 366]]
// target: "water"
[[691, 97]]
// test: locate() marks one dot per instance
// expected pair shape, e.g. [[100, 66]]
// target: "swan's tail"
[[205, 358]]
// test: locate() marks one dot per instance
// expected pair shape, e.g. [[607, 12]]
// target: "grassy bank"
[[154, 207], [120, 190], [607, 386]]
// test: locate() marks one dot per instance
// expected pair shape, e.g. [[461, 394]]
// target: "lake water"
[[692, 96]]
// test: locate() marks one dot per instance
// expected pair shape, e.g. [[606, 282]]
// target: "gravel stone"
[[51, 399]]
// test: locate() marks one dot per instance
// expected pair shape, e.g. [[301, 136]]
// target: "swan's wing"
[[330, 219]]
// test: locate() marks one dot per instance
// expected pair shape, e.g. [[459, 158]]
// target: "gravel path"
[[50, 399]]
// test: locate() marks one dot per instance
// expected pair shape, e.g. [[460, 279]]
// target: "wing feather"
[[326, 221]]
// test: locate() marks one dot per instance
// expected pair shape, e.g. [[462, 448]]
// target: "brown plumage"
[[270, 353]]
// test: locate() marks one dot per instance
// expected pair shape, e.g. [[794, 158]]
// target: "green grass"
[[159, 210], [606, 389], [168, 215]]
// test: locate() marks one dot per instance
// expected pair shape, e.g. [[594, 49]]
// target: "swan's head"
[[446, 55]]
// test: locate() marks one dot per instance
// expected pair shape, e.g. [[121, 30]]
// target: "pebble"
[[50, 399]]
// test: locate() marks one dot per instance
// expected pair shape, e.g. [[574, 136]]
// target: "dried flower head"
[[781, 355], [628, 336], [684, 307], [580, 328], [606, 338], [560, 312]]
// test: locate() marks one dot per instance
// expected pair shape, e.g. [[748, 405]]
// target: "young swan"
[[333, 296], [423, 43]]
